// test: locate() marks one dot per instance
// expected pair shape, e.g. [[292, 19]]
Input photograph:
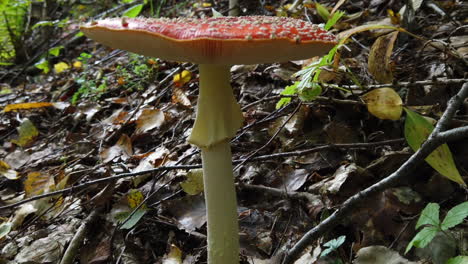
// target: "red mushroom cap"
[[222, 40]]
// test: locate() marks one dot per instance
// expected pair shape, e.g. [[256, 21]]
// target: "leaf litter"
[[131, 114]]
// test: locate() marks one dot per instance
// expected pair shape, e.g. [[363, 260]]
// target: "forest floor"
[[101, 135]]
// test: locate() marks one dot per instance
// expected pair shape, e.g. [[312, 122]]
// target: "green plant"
[[43, 63], [431, 224], [136, 73], [331, 246], [12, 28], [308, 86], [88, 88]]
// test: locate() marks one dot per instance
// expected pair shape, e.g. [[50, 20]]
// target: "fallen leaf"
[[174, 256], [379, 254], [179, 97], [384, 103], [379, 62], [180, 79], [25, 106], [37, 183], [27, 134], [149, 119], [417, 130], [190, 211], [7, 172], [194, 183], [60, 67], [135, 198], [77, 64], [157, 158], [5, 228], [122, 149]]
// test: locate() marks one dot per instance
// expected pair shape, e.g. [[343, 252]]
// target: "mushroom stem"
[[221, 205], [218, 118], [218, 114]]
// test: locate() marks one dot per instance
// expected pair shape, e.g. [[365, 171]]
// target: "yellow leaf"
[[23, 106], [77, 64], [395, 18], [27, 134], [174, 256], [6, 171], [182, 78], [37, 183], [379, 61], [60, 67], [194, 183], [384, 103], [135, 198], [205, 4], [345, 35]]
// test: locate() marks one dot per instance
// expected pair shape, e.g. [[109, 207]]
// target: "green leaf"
[[417, 130], [458, 260], [332, 245], [289, 90], [43, 24], [134, 219], [322, 11], [55, 51], [429, 216], [43, 65], [27, 133], [332, 21], [133, 11], [455, 216], [423, 238], [335, 243], [308, 94], [3, 4], [5, 228]]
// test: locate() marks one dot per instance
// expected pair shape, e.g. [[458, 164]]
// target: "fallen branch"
[[78, 238], [81, 186], [438, 137]]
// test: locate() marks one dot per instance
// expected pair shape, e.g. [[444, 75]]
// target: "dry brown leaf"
[[379, 62], [149, 119], [179, 97], [122, 149]]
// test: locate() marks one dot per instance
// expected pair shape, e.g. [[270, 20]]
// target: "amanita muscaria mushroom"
[[216, 44]]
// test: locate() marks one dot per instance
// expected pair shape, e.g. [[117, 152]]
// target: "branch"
[[436, 139], [81, 186], [77, 240]]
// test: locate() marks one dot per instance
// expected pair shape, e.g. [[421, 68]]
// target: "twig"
[[369, 86], [250, 156], [326, 147], [436, 139], [311, 198], [402, 84], [102, 180], [196, 166], [78, 238]]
